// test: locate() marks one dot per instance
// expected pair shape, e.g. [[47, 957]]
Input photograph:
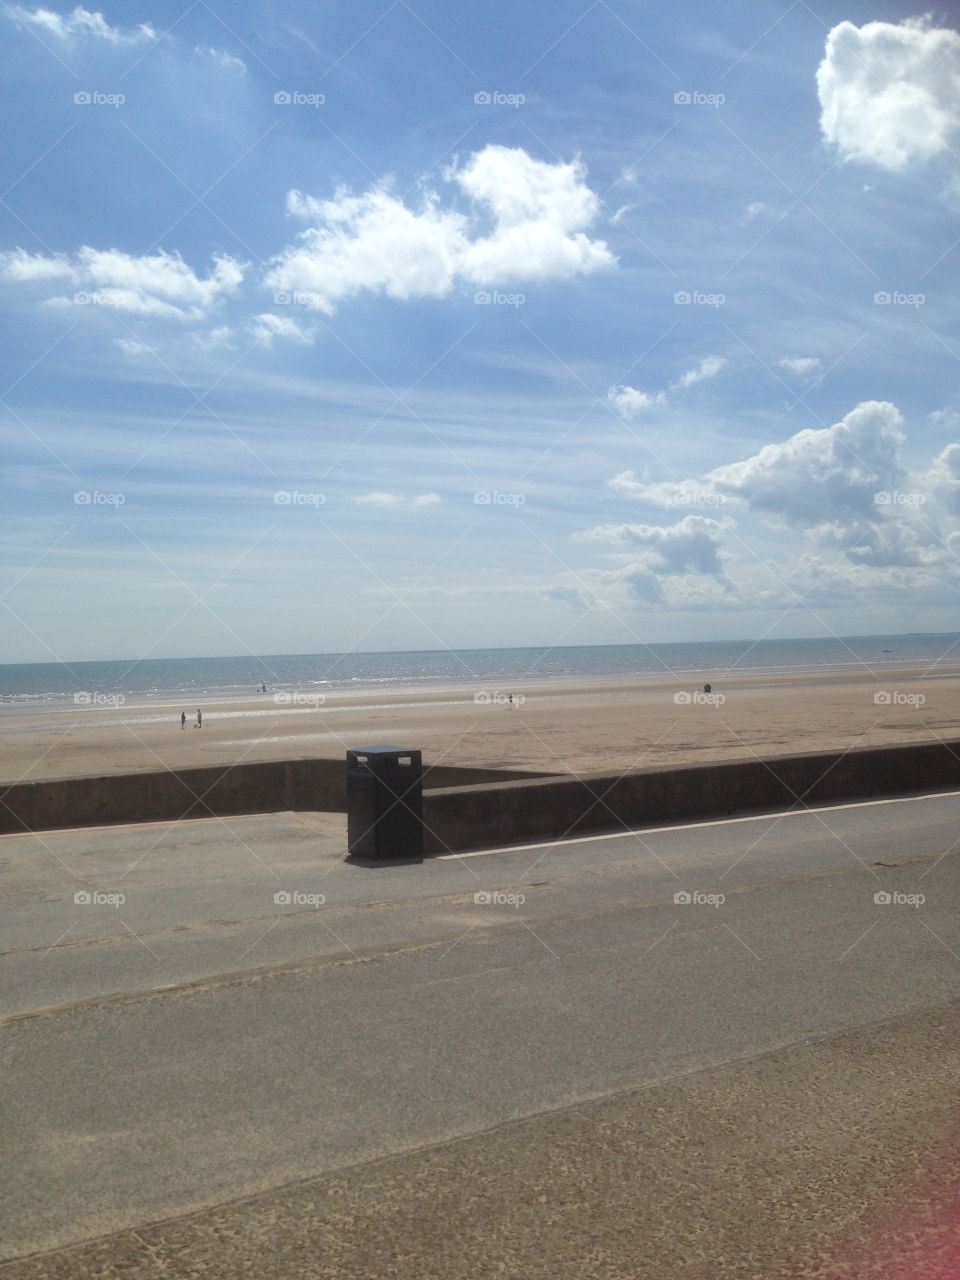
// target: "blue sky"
[[400, 325]]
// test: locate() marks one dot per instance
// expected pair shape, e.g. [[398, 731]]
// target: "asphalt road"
[[200, 1042]]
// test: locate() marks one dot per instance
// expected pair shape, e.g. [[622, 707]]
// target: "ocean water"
[[162, 680]]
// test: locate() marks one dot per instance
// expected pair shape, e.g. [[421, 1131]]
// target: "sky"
[[406, 325]]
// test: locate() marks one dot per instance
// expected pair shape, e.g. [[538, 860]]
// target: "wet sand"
[[557, 726]]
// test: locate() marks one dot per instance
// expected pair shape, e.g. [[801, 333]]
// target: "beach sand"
[[554, 727]]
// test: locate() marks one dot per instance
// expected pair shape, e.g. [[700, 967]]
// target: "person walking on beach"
[[183, 720], [199, 718]]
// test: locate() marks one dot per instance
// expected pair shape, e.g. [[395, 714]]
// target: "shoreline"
[[557, 725], [437, 691]]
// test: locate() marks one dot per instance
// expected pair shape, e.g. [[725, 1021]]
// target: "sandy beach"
[[558, 727]]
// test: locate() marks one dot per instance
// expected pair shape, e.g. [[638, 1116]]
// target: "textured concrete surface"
[[404, 1020], [833, 1159]]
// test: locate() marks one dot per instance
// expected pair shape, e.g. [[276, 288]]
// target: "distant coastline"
[[155, 681]]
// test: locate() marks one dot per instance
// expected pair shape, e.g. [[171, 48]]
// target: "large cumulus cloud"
[[526, 220], [890, 92]]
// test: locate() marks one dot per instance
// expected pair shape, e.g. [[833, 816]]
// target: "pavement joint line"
[[580, 1103], [692, 826]]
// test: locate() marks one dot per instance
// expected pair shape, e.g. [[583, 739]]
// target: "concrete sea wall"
[[466, 808], [460, 818], [164, 795]]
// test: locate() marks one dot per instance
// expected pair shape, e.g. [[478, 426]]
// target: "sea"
[[147, 681]]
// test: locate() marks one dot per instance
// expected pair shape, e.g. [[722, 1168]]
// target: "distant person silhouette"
[[707, 689], [183, 719], [199, 718]]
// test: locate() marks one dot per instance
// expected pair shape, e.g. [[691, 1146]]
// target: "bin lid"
[[383, 749]]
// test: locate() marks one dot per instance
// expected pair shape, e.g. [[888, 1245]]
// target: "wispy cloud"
[[80, 23]]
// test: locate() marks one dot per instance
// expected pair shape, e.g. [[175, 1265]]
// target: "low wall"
[[467, 808], [165, 795], [460, 818]]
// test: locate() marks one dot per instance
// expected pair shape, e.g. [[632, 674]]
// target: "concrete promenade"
[[699, 1051]]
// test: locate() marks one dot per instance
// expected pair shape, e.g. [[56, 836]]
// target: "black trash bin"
[[384, 802]]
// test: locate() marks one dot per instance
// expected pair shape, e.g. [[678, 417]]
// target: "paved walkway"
[[600, 1079]]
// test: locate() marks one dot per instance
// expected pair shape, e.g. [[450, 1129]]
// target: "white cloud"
[[570, 597], [80, 22], [132, 347], [375, 242], [229, 61], [890, 92], [754, 210], [708, 367], [629, 402], [811, 479], [371, 242], [268, 326], [945, 419], [880, 542], [165, 275], [690, 546], [669, 493], [378, 499], [25, 268], [843, 486], [216, 339], [677, 564], [622, 212], [540, 212], [943, 478], [832, 473], [802, 366], [390, 500], [159, 284]]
